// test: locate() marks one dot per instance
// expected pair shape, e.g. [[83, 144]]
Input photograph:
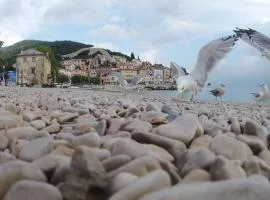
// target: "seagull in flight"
[[124, 84], [209, 55], [255, 39]]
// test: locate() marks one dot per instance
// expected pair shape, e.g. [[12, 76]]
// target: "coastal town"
[[93, 65]]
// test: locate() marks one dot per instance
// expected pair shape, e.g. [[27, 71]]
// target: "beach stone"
[[265, 155], [101, 127], [125, 146], [67, 117], [30, 116], [7, 120], [36, 190], [229, 147], [50, 162], [63, 150], [59, 174], [6, 157], [196, 175], [157, 151], [203, 111], [198, 158], [12, 108], [120, 134], [13, 171], [54, 128], [115, 125], [174, 147], [255, 165], [235, 126], [67, 136], [89, 139], [101, 154], [137, 124], [3, 142], [255, 143], [253, 188], [138, 167], [183, 128], [85, 163], [121, 181], [151, 182], [27, 133], [154, 106], [115, 162], [210, 127], [154, 117], [223, 169], [35, 149], [253, 128], [84, 118], [80, 111], [38, 124], [203, 141]]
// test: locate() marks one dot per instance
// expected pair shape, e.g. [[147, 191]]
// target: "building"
[[167, 75], [33, 68], [158, 74]]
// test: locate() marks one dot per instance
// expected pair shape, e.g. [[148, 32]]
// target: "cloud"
[[109, 30]]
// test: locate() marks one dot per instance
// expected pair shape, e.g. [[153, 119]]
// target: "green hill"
[[58, 47]]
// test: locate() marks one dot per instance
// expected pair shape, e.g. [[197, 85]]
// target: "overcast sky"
[[157, 30]]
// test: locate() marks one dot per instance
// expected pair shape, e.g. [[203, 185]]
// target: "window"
[[33, 70], [33, 59], [24, 59]]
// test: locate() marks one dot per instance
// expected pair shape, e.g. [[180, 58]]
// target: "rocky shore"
[[89, 145]]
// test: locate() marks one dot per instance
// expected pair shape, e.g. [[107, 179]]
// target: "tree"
[[132, 56], [54, 62], [138, 58], [62, 78]]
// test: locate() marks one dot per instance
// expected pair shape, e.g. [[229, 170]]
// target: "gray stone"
[[21, 133], [38, 124], [151, 182], [101, 127], [137, 124], [223, 169], [253, 128], [253, 188], [54, 128], [198, 158], [197, 175], [183, 128], [27, 189], [13, 171], [255, 143], [89, 139], [115, 162], [36, 149], [230, 148], [3, 142]]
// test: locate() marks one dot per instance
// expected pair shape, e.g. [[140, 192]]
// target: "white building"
[[158, 75]]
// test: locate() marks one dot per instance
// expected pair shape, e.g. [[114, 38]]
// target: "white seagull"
[[255, 39], [124, 84], [264, 95], [208, 57]]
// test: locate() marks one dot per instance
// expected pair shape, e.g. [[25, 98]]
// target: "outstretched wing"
[[137, 79], [177, 71], [210, 55], [253, 38], [120, 77]]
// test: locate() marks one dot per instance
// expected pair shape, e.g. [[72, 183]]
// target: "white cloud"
[[109, 30], [117, 18], [149, 55], [107, 45]]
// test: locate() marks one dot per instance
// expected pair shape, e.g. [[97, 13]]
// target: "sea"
[[234, 95]]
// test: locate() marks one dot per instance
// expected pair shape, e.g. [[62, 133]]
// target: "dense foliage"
[[59, 48], [62, 78], [85, 80]]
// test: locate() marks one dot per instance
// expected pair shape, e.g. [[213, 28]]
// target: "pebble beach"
[[72, 144]]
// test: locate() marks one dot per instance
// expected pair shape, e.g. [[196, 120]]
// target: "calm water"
[[232, 94]]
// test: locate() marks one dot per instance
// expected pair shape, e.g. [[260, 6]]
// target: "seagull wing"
[[137, 79], [120, 77], [252, 38], [210, 55], [177, 71]]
